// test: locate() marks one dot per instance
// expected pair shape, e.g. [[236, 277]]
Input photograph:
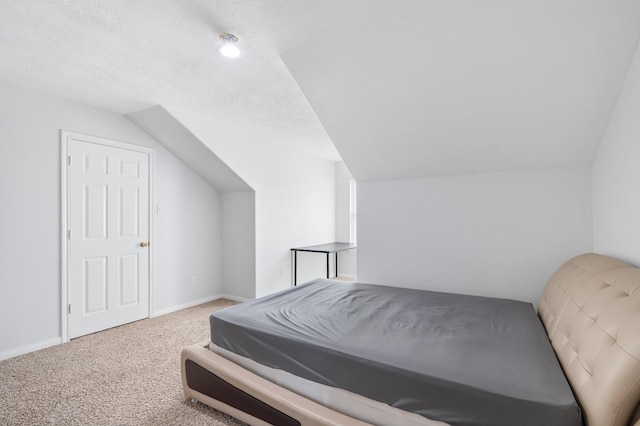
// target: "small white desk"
[[321, 248]]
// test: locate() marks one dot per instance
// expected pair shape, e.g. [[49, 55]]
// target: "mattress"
[[463, 360], [348, 403]]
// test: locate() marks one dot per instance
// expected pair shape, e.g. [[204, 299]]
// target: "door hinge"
[[69, 234], [69, 308], [68, 160]]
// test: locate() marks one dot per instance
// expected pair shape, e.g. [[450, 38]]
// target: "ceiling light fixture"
[[229, 47]]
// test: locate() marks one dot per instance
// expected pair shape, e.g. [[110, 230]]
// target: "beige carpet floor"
[[128, 375]]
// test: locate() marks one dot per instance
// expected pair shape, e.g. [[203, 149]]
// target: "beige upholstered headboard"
[[591, 311]]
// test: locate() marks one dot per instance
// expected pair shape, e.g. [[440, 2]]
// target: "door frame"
[[65, 137]]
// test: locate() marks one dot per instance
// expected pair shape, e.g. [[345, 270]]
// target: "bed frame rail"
[[221, 384]]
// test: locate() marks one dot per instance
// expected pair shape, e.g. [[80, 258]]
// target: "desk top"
[[327, 248]]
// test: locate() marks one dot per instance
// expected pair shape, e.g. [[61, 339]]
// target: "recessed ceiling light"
[[229, 47]]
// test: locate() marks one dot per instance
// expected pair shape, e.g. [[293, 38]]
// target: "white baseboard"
[[157, 313], [350, 276], [58, 340], [234, 298], [30, 348], [175, 308]]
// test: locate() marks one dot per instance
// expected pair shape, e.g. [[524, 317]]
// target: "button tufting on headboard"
[[591, 311]]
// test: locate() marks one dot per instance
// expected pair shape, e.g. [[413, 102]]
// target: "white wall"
[[294, 194], [239, 242], [314, 265], [186, 237], [342, 202], [498, 234], [294, 207], [346, 259], [616, 176], [238, 199], [187, 234]]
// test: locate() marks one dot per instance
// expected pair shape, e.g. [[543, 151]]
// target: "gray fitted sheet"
[[464, 360]]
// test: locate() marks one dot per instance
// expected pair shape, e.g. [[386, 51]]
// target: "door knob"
[[143, 244]]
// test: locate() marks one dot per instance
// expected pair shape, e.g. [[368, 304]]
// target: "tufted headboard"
[[591, 311]]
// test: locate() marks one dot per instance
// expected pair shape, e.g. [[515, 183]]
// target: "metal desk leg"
[[295, 268], [328, 265]]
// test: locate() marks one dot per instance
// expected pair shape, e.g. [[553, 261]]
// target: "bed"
[[335, 353]]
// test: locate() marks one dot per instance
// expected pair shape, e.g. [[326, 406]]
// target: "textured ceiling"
[[126, 55], [404, 88]]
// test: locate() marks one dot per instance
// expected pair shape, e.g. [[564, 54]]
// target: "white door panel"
[[108, 218]]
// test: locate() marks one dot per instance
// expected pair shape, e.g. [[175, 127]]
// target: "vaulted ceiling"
[[403, 89]]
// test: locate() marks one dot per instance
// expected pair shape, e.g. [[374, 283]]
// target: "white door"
[[108, 224]]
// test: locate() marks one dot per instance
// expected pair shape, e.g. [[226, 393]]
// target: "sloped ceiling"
[[426, 88], [166, 129], [404, 89]]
